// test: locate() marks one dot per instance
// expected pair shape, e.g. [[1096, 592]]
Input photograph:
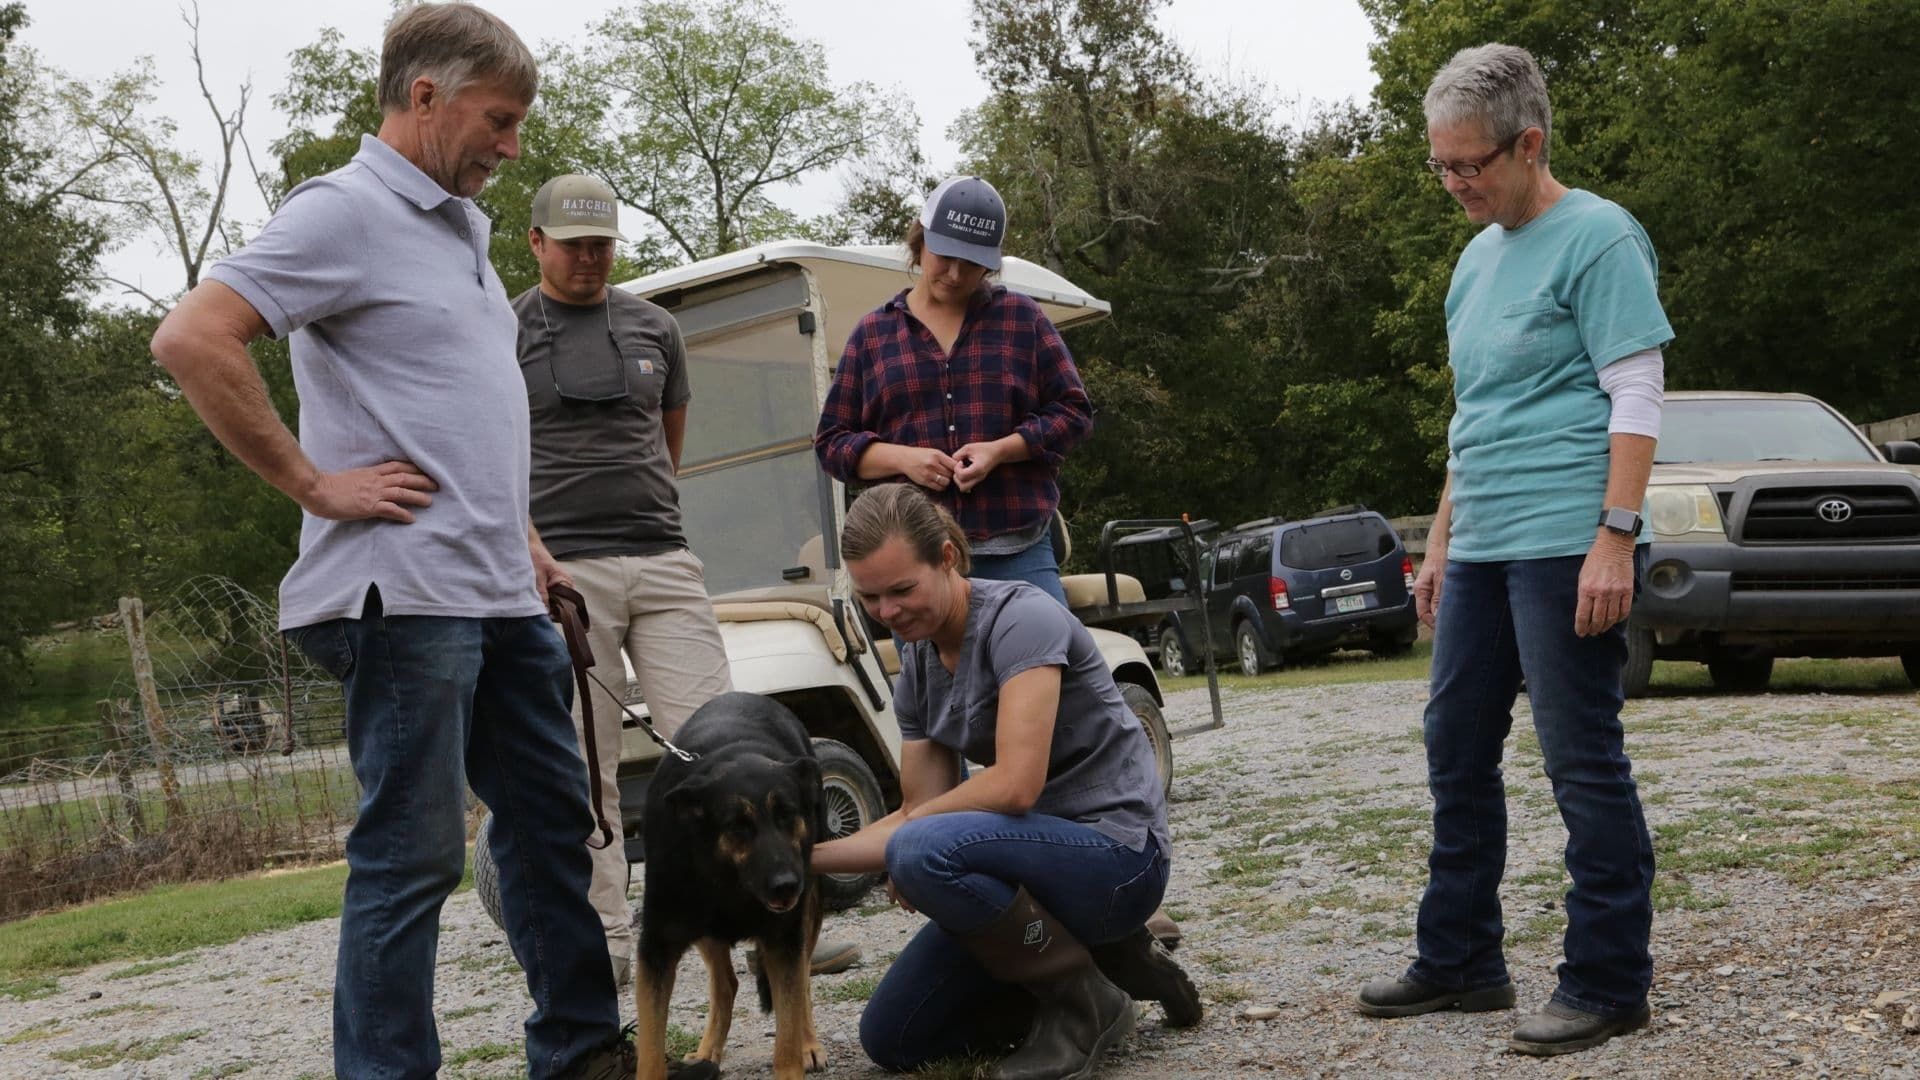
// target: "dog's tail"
[[765, 991]]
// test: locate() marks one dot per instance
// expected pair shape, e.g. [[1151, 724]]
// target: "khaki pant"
[[655, 608]]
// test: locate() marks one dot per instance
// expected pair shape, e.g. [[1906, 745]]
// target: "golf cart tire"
[[486, 874], [852, 801], [1140, 700]]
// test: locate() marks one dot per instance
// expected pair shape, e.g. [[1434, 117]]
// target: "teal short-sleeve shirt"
[[1533, 314]]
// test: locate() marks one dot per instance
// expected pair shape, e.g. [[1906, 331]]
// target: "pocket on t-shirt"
[[1524, 330], [646, 369]]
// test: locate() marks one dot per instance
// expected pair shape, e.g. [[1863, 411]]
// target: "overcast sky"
[[1306, 51]]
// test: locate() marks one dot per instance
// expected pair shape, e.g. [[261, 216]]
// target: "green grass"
[[1339, 667], [101, 1055], [852, 991], [485, 1052], [1671, 678], [1797, 676], [165, 921]]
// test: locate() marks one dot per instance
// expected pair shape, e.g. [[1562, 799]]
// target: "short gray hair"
[[454, 45], [1496, 86]]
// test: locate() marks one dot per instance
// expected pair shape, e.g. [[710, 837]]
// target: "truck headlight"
[[1684, 512]]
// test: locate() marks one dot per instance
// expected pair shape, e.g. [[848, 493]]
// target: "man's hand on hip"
[[388, 491]]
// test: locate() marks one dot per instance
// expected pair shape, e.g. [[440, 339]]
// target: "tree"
[[45, 265], [121, 163], [1758, 141], [697, 115]]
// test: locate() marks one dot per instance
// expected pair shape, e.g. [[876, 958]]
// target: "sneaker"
[[1400, 995], [1563, 1029]]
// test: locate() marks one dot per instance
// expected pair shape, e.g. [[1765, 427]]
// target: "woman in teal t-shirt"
[[1554, 331]]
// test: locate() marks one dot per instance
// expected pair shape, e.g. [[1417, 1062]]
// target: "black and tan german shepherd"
[[729, 846]]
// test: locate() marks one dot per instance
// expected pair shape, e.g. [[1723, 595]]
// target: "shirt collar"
[[980, 299], [402, 176]]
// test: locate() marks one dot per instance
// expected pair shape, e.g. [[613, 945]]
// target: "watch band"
[[1621, 520]]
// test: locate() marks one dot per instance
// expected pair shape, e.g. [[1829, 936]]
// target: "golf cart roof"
[[856, 279]]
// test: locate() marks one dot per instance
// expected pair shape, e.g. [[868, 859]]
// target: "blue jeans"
[[1036, 566], [1500, 622], [435, 704], [961, 870]]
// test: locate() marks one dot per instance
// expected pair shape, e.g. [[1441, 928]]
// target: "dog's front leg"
[[722, 987], [816, 1055], [652, 990], [786, 969]]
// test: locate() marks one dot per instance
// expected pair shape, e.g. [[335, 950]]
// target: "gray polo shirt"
[[403, 349], [1100, 771], [598, 378]]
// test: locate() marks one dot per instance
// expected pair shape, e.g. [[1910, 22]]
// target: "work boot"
[[1563, 1029], [1079, 1015], [1140, 965], [1402, 995], [1164, 929], [830, 957]]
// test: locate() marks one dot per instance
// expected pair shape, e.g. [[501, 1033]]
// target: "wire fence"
[[220, 751]]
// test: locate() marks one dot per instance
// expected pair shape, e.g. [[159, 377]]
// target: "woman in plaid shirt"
[[963, 388]]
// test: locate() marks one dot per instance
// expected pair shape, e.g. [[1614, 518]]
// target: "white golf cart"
[[764, 328]]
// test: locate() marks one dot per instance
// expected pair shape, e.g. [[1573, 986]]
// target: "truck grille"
[[1805, 582], [1866, 512]]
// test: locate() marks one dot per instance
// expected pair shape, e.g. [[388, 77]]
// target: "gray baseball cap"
[[965, 219], [574, 206]]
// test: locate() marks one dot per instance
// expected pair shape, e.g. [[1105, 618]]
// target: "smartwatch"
[[1623, 521]]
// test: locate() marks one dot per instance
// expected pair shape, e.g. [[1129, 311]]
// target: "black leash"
[[569, 609]]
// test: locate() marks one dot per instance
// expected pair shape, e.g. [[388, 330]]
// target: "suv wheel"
[[1743, 671], [1254, 657], [1911, 661], [1638, 674], [1173, 658]]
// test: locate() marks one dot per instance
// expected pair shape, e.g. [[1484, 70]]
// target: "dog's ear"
[[806, 774], [688, 799]]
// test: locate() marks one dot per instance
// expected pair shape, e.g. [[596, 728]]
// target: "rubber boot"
[[1140, 965], [1078, 1016]]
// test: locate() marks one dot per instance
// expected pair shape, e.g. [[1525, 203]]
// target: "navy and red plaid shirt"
[[1009, 372]]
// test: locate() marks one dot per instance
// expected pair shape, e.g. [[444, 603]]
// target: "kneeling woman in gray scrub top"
[[1038, 870]]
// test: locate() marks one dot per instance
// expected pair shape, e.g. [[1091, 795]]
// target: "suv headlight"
[[1684, 512]]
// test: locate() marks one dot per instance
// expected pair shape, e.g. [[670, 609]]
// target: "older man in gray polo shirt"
[[419, 582]]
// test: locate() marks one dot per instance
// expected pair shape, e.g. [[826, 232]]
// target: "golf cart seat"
[[803, 603], [1088, 590]]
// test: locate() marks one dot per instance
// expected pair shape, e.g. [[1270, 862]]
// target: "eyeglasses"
[[588, 390], [1467, 170]]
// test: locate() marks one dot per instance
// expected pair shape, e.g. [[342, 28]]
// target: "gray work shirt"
[[402, 343], [598, 378], [1100, 771]]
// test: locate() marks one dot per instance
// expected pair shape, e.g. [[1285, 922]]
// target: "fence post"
[[133, 617], [116, 718]]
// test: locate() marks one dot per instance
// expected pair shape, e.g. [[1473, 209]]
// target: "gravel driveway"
[[1787, 937]]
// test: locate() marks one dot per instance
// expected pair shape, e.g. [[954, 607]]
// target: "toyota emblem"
[[1834, 511], [1347, 575]]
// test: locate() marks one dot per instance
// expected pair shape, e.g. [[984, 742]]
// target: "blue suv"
[[1279, 589]]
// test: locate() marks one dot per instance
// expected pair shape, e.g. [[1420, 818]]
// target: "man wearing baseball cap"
[[607, 390]]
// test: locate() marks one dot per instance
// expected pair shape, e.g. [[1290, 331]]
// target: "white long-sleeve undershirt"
[[1637, 384]]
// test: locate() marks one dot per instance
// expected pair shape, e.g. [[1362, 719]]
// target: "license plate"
[[1344, 604]]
